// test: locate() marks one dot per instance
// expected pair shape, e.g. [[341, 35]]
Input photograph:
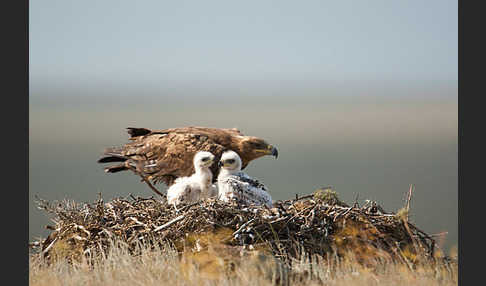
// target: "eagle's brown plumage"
[[164, 155]]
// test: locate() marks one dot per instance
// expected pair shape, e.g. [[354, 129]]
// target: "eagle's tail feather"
[[113, 154], [116, 168], [112, 158], [134, 132]]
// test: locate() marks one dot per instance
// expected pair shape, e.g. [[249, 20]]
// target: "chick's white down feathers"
[[235, 185], [198, 185]]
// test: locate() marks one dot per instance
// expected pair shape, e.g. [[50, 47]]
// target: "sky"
[[168, 42]]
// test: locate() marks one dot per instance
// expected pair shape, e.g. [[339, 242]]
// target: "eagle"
[[198, 185], [233, 184], [165, 155]]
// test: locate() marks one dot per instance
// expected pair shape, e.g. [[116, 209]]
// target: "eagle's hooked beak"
[[273, 151], [270, 150]]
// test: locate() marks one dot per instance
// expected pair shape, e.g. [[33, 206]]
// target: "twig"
[[414, 242], [243, 226], [137, 221], [188, 206], [279, 219], [345, 213], [169, 223], [356, 205], [49, 246], [409, 197], [300, 198]]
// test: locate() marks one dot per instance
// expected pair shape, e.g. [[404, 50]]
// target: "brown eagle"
[[165, 155]]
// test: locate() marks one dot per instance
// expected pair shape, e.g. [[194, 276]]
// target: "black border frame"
[[15, 131]]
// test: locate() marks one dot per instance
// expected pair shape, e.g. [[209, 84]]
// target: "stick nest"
[[314, 224]]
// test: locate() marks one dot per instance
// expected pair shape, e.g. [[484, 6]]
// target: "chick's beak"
[[209, 162], [220, 164]]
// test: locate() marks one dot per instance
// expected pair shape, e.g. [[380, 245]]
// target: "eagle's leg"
[[146, 181], [152, 187]]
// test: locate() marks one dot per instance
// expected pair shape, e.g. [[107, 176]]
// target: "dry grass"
[[215, 266]]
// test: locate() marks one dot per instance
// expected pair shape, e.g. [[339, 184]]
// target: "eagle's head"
[[253, 147]]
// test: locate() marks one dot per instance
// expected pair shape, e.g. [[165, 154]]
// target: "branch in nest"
[[169, 223]]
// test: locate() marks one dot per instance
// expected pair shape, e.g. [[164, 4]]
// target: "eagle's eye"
[[205, 159], [230, 161], [258, 145]]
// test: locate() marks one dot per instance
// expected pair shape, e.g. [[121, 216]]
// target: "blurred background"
[[358, 95]]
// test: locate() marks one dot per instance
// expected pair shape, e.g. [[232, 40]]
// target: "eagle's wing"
[[248, 190], [220, 132], [167, 154]]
